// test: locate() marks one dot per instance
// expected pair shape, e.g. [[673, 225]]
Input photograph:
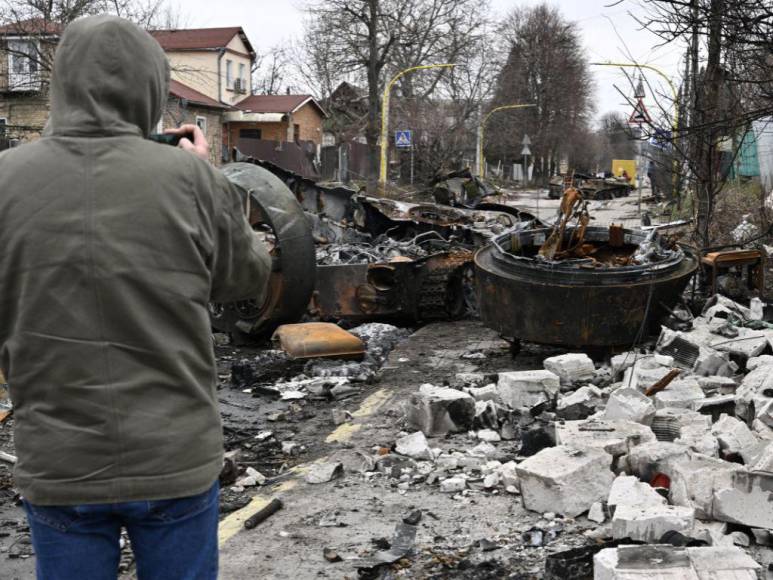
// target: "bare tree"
[[270, 71], [546, 66], [368, 41], [729, 84], [37, 24]]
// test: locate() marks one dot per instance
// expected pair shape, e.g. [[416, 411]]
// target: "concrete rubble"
[[436, 411], [571, 368], [526, 389], [678, 563], [564, 479]]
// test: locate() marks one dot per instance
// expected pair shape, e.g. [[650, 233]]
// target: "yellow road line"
[[234, 522]]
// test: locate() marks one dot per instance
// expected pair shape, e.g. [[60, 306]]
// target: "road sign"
[[403, 139], [639, 115], [526, 141], [525, 150]]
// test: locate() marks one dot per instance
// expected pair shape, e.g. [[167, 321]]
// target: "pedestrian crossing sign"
[[403, 139]]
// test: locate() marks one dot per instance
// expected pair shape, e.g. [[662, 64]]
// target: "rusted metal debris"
[[318, 340], [715, 262], [276, 215], [662, 383], [436, 287], [376, 258], [586, 301], [592, 188]]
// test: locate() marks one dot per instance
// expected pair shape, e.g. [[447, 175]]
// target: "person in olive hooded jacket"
[[111, 248]]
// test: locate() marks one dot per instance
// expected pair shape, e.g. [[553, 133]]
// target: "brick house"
[[26, 51], [210, 71], [282, 118]]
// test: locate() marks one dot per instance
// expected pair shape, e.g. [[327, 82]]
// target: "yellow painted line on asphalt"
[[369, 406], [234, 522], [372, 403], [231, 524], [343, 433]]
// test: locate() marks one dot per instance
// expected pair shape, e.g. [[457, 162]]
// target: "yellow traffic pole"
[[382, 174], [482, 129], [674, 124]]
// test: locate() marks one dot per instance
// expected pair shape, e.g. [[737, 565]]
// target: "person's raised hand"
[[193, 141]]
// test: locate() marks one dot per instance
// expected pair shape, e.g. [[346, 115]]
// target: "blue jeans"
[[174, 539]]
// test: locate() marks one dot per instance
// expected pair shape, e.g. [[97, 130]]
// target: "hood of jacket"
[[110, 78]]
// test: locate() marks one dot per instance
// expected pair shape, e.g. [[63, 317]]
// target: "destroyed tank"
[[576, 302]]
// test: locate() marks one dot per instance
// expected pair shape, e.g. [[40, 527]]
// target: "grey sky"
[[272, 22]]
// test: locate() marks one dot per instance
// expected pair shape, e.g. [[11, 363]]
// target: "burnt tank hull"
[[557, 305]]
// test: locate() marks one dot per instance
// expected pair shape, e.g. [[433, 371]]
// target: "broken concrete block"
[[629, 405], [614, 437], [251, 478], [723, 562], [453, 484], [717, 385], [755, 392], [597, 513], [580, 403], [746, 500], [565, 480], [526, 389], [414, 446], [668, 423], [571, 368], [629, 491], [722, 307], [436, 411], [759, 361], [749, 344], [648, 459], [681, 393], [641, 378], [488, 435], [694, 481], [508, 474], [621, 362], [663, 562], [485, 393], [483, 449], [649, 523], [324, 472], [735, 438], [666, 562], [713, 533], [699, 439]]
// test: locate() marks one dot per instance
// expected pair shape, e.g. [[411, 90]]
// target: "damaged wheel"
[[278, 218]]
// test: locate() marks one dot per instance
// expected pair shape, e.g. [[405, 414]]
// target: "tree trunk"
[[709, 114]]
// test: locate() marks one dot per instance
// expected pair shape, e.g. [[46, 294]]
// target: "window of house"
[[3, 123], [229, 74], [297, 133], [242, 77], [201, 122], [250, 134], [22, 65]]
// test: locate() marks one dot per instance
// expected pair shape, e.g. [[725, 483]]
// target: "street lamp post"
[[674, 124], [382, 174], [482, 129]]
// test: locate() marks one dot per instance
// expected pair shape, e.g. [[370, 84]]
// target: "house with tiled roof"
[[217, 62], [210, 73], [283, 118]]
